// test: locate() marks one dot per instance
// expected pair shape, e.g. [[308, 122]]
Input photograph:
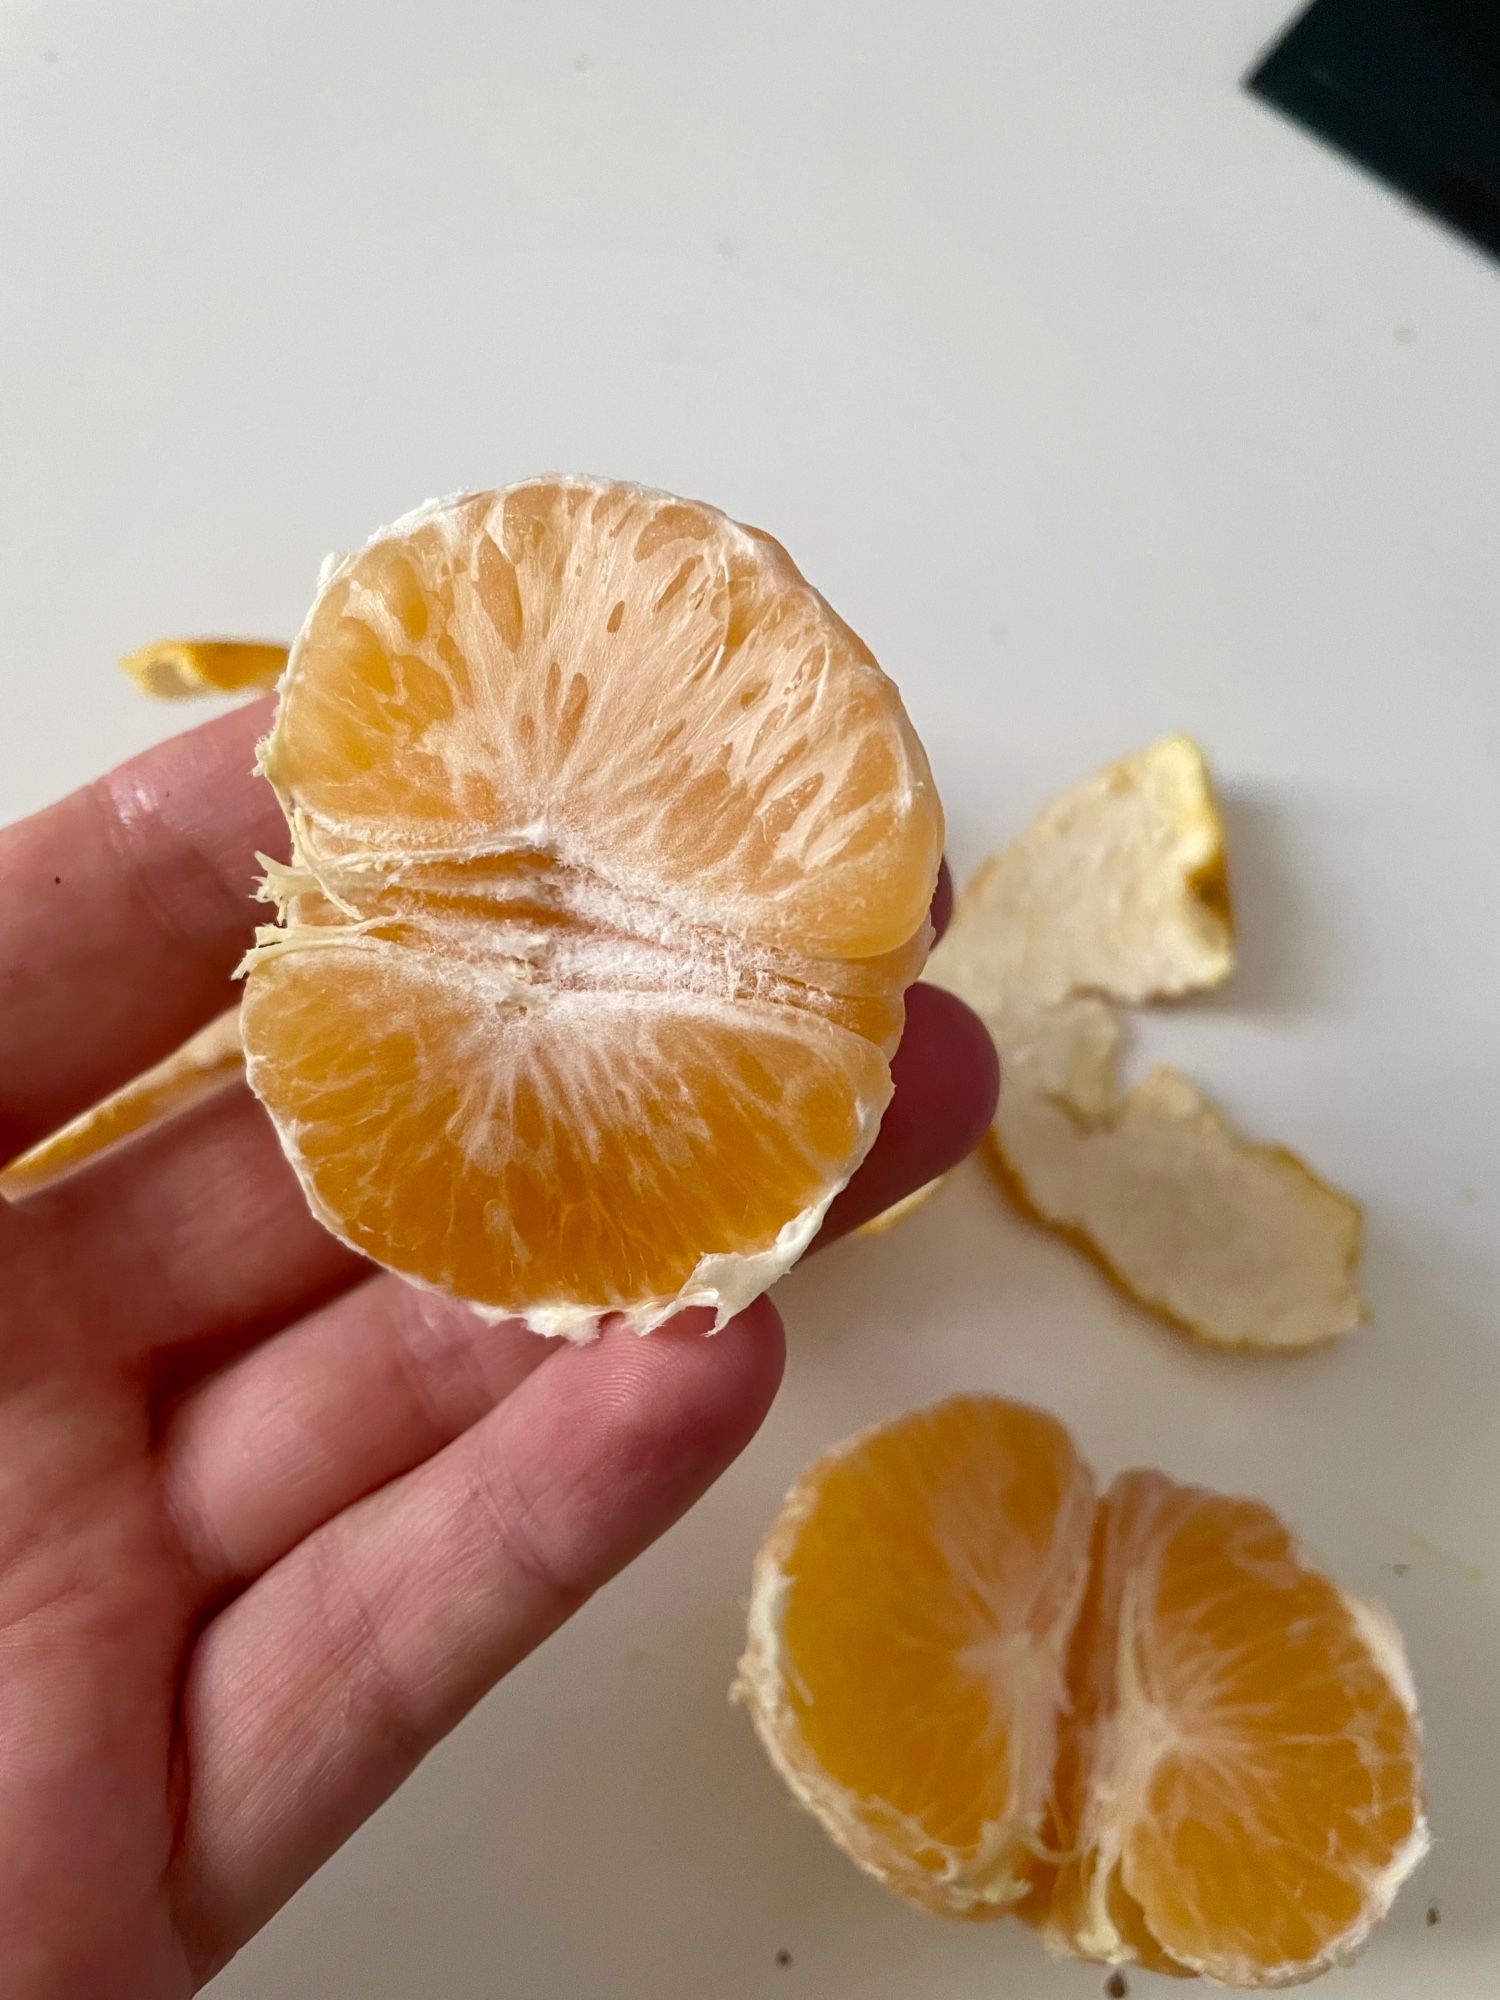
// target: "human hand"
[[270, 1521]]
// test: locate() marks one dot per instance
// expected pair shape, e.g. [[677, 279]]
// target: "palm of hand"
[[269, 1524]]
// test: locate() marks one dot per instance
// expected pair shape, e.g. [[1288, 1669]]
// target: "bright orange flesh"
[[933, 1572], [612, 856], [1146, 1722]]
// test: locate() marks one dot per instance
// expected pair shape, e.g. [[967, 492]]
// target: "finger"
[[313, 1694], [274, 1445], [208, 1062], [269, 1448], [195, 1233], [199, 1232], [123, 910], [947, 1078]]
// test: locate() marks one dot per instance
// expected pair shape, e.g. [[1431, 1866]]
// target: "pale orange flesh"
[[612, 857], [1147, 1724]]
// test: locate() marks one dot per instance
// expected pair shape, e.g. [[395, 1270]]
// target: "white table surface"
[[1104, 404]]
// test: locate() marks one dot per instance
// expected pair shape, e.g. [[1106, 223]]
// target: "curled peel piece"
[[1119, 887], [205, 1064], [1240, 1244], [181, 669], [1118, 893]]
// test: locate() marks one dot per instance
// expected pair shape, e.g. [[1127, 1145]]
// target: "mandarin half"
[[1142, 1721], [612, 851]]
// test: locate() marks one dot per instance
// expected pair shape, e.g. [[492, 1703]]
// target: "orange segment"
[[1253, 1763], [909, 1613], [1149, 1725], [612, 853]]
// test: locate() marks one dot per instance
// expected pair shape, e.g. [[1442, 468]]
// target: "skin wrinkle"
[[357, 1652], [424, 1357], [515, 1517], [427, 1341]]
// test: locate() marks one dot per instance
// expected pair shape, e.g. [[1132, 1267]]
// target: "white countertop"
[[1104, 404]]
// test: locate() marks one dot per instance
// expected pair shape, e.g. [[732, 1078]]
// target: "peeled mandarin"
[[612, 850]]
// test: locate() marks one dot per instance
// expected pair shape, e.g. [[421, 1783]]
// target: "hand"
[[270, 1522]]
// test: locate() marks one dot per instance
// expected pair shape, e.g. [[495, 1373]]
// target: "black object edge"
[[1410, 89]]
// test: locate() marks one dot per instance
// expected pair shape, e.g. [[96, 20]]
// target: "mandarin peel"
[[1118, 888], [207, 1063], [1118, 893], [1328, 1309], [899, 1211], [184, 669]]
